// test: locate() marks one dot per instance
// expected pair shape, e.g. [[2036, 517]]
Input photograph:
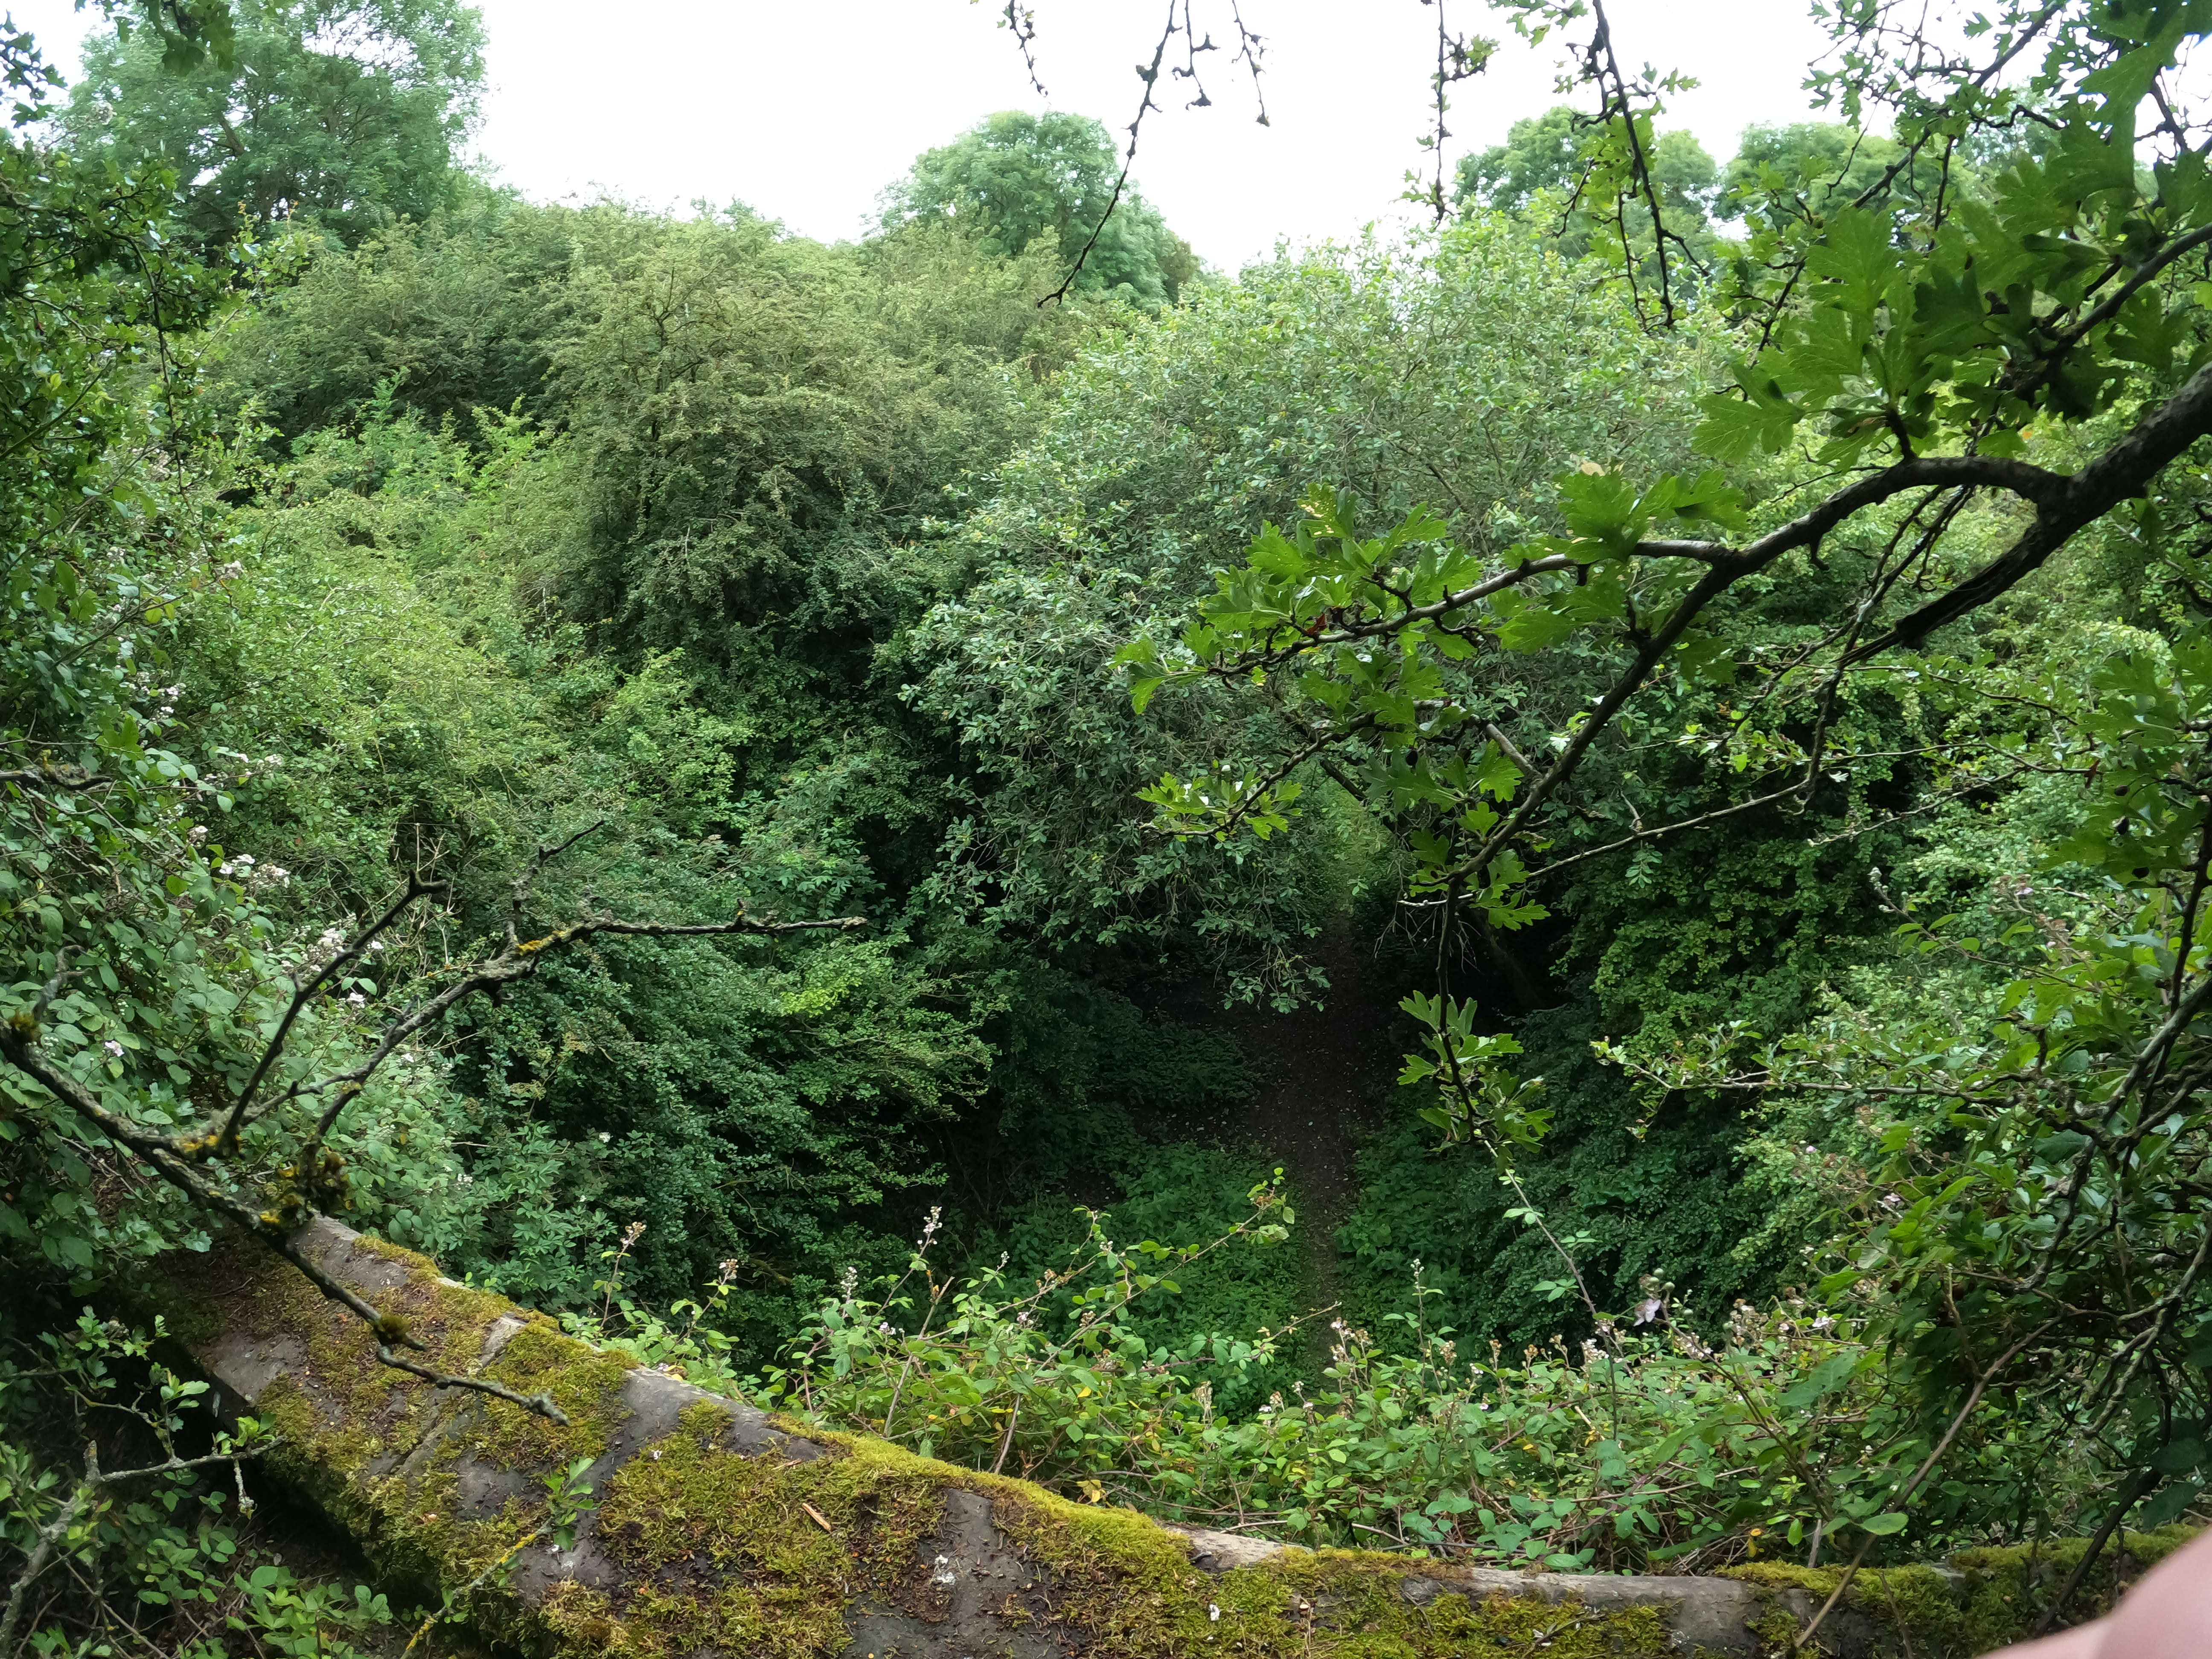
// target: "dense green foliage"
[[1018, 178], [343, 114], [655, 760], [1471, 364]]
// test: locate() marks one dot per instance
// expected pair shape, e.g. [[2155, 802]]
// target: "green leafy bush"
[[140, 1545]]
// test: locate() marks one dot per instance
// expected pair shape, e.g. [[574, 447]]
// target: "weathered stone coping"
[[722, 1531]]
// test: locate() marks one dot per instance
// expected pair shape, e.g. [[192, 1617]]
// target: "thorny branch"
[[1459, 58], [1178, 20], [1022, 22], [2064, 505]]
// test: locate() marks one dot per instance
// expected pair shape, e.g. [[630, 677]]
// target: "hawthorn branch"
[[2143, 274], [1249, 52], [1613, 86], [1390, 623], [1711, 586], [2064, 504], [303, 992], [1023, 22], [1150, 77], [95, 1481], [2119, 475], [1660, 830], [162, 1156]]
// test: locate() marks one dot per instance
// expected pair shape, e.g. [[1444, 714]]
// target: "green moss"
[[728, 1552], [1129, 1588], [585, 1384], [724, 1554], [1996, 1599], [1919, 1602], [1130, 1591], [2007, 1589], [348, 1421]]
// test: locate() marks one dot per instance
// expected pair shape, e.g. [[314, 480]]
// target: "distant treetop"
[[342, 113], [1015, 177]]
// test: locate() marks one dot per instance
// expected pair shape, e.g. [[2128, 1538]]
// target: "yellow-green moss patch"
[[1918, 1602], [1129, 1590], [759, 1555], [2007, 1589]]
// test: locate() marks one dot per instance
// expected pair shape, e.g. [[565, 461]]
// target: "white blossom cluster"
[[253, 875]]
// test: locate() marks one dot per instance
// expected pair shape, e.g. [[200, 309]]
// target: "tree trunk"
[[719, 1530]]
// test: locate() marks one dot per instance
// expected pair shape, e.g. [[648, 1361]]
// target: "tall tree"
[[1540, 152], [1817, 166], [344, 113], [1014, 177]]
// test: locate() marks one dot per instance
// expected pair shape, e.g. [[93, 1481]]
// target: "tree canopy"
[[1016, 177], [343, 114]]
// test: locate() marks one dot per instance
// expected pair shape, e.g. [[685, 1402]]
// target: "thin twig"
[[1150, 76]]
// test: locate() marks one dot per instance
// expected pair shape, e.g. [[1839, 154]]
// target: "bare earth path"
[[1325, 1078]]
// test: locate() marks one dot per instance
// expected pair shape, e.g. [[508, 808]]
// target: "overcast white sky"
[[805, 110]]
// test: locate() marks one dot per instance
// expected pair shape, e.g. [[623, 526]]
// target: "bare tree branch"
[[303, 992]]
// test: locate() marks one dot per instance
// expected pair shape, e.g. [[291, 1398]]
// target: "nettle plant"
[[1940, 409]]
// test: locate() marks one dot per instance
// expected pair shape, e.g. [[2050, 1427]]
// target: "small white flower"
[[197, 834], [604, 1137], [1212, 1614], [376, 944], [114, 1048], [355, 999]]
